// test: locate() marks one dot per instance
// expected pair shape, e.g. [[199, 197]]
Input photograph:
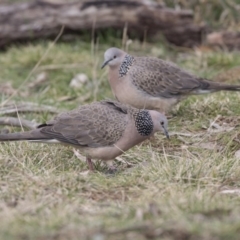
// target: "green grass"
[[171, 190]]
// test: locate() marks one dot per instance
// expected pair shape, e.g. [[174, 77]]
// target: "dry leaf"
[[6, 88], [40, 79]]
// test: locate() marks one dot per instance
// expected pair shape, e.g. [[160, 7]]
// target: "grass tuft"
[[162, 189]]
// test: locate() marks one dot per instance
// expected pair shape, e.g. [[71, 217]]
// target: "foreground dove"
[[152, 83], [102, 130]]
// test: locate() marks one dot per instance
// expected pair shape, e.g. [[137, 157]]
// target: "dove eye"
[[162, 123], [114, 56]]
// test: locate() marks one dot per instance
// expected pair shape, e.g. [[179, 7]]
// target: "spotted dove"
[[102, 130], [152, 83]]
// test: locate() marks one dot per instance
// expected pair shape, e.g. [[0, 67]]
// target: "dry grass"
[[172, 189]]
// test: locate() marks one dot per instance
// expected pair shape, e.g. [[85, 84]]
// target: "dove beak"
[[105, 63], [166, 133]]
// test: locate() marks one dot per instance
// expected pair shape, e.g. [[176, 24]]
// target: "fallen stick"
[[26, 107], [141, 18], [18, 122]]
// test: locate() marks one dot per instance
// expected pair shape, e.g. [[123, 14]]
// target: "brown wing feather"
[[95, 125], [160, 78]]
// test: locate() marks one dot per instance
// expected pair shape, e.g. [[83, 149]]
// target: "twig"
[[141, 228], [60, 66], [186, 134], [26, 107], [79, 155], [17, 122]]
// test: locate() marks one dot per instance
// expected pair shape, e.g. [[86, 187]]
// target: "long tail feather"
[[211, 86]]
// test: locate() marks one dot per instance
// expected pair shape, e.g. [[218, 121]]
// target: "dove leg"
[[90, 164]]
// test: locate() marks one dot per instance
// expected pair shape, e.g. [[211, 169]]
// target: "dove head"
[[148, 122], [113, 57], [160, 122]]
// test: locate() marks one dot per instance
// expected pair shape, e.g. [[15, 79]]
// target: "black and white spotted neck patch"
[[126, 64], [144, 123]]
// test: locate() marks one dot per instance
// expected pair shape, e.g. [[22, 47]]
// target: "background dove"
[[152, 83]]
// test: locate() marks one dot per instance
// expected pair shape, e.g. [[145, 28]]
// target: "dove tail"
[[210, 86]]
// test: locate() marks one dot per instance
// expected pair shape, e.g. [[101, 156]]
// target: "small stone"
[[78, 81], [237, 154]]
